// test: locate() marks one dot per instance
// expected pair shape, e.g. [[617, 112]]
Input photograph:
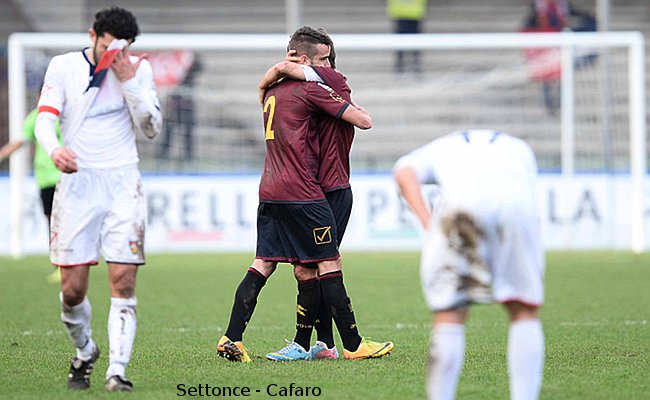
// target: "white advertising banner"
[[218, 213]]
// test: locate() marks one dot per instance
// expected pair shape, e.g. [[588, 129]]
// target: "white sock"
[[446, 356], [86, 353], [121, 333], [525, 359], [77, 321]]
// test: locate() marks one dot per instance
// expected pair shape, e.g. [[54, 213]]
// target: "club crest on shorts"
[[136, 246], [323, 235]]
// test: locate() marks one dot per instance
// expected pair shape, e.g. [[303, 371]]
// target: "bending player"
[[483, 243]]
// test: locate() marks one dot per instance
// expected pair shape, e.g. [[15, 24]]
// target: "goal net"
[[577, 98]]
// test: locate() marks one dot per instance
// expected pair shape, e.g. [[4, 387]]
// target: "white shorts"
[[98, 210], [482, 257]]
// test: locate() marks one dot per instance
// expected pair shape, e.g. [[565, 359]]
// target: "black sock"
[[324, 324], [244, 304], [306, 311], [340, 306]]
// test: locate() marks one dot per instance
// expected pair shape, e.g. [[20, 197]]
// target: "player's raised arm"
[[326, 99], [139, 92], [283, 69]]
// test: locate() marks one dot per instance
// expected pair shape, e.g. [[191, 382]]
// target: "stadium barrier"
[[470, 80], [217, 213]]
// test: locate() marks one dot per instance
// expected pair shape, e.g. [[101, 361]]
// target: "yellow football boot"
[[369, 349], [232, 351]]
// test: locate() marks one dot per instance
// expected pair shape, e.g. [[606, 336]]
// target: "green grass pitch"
[[595, 321]]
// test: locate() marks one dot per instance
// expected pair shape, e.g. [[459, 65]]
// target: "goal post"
[[358, 46]]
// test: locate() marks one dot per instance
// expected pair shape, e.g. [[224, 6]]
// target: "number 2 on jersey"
[[270, 107]]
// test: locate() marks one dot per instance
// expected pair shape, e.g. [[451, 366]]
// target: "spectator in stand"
[[551, 14], [179, 115], [554, 16], [407, 16]]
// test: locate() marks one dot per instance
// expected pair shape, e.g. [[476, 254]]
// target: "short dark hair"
[[117, 21], [305, 39]]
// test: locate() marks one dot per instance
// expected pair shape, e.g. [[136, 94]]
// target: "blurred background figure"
[[45, 173], [179, 110], [545, 64], [407, 16], [550, 14]]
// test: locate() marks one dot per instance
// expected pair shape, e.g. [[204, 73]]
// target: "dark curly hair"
[[305, 39], [118, 22]]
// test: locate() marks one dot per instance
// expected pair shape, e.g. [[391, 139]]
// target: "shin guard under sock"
[[323, 325], [244, 303], [336, 298], [306, 311]]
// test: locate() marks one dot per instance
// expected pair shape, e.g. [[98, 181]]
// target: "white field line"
[[398, 326]]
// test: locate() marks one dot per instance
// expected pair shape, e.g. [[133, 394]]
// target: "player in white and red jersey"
[[104, 97], [482, 244]]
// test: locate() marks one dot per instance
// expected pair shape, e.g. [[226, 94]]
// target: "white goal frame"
[[633, 41]]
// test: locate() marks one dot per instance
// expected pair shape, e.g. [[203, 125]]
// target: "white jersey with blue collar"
[[476, 168], [106, 137]]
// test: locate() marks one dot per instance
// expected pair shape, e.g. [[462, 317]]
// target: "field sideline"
[[596, 322]]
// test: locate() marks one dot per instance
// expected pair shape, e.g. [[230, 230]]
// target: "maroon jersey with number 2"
[[291, 117]]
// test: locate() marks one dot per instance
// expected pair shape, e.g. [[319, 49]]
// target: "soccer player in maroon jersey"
[[336, 139], [295, 221]]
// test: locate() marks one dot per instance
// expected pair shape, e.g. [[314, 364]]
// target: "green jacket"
[[407, 9]]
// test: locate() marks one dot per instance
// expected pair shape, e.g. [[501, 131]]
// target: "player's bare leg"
[[122, 324], [525, 351], [74, 284], [76, 315]]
